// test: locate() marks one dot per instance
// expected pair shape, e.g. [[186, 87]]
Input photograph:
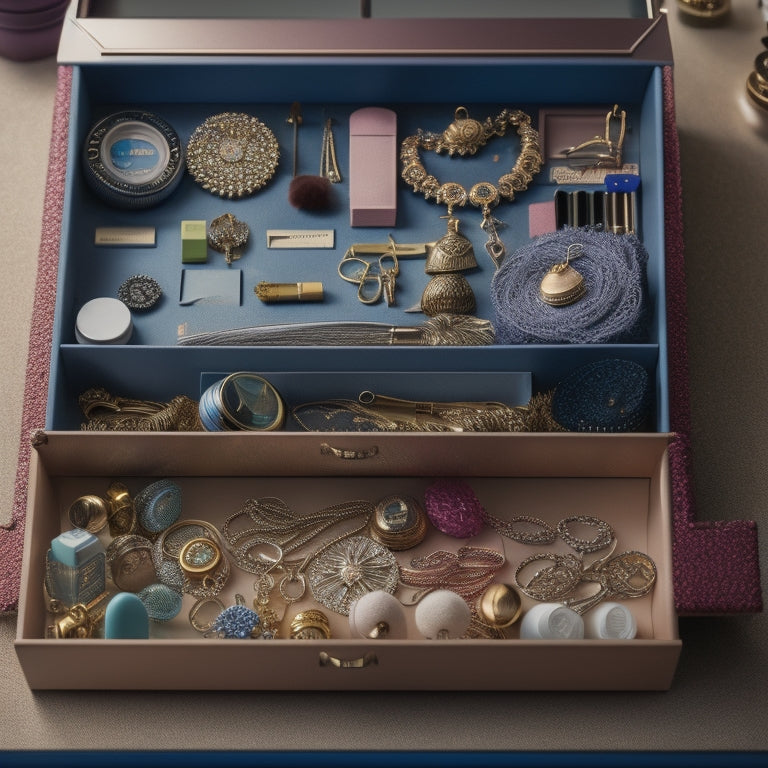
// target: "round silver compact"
[[242, 401], [130, 558], [133, 159], [104, 321]]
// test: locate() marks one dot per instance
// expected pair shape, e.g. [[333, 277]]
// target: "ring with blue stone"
[[236, 622]]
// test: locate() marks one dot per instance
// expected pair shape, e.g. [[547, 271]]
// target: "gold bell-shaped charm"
[[563, 285], [453, 252]]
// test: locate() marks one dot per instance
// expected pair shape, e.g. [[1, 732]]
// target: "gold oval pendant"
[[398, 523], [561, 286]]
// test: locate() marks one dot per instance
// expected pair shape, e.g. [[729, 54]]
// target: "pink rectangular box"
[[373, 167]]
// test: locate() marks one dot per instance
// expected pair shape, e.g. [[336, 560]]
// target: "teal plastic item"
[[75, 547], [126, 618]]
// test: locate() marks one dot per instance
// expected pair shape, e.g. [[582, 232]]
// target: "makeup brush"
[[306, 192]]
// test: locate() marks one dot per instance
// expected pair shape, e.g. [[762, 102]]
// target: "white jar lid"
[[104, 321], [610, 621], [551, 621]]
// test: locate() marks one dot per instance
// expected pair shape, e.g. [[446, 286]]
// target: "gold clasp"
[[80, 621], [326, 660]]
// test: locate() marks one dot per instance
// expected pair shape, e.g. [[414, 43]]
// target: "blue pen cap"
[[75, 547], [622, 182]]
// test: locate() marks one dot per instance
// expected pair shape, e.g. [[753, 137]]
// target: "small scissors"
[[371, 283]]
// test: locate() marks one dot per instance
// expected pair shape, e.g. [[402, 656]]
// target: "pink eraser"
[[373, 167], [541, 218]]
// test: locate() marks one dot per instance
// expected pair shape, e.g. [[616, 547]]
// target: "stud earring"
[[443, 615], [377, 615]]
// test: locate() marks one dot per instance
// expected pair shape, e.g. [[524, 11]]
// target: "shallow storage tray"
[[424, 88], [621, 479]]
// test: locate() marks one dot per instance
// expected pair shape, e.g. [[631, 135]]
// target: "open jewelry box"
[[422, 69]]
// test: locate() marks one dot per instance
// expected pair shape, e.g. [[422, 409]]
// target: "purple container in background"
[[30, 29]]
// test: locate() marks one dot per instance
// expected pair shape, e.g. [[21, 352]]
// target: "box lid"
[[96, 30]]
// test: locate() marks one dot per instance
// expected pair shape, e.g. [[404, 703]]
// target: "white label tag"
[[300, 238]]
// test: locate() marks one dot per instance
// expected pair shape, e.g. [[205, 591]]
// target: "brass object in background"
[[704, 9]]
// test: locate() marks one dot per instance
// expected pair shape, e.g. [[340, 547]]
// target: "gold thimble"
[[448, 293]]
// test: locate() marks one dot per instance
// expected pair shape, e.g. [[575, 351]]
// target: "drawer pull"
[[326, 660], [347, 453]]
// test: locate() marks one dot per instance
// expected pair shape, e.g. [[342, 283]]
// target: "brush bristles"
[[310, 193]]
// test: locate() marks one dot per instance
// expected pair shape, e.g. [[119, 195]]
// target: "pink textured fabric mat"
[[715, 564], [716, 567], [41, 332]]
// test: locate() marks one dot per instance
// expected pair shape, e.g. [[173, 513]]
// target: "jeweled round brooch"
[[232, 154], [140, 292]]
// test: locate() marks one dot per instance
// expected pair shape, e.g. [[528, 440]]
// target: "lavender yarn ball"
[[614, 309], [454, 509]]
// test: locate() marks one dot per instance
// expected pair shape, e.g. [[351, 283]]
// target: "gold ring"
[[198, 606], [199, 557]]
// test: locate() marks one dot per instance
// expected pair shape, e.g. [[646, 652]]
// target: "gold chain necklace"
[[464, 136]]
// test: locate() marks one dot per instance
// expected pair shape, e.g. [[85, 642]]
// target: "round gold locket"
[[398, 523]]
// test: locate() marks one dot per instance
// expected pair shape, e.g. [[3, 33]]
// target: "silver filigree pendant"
[[349, 569]]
